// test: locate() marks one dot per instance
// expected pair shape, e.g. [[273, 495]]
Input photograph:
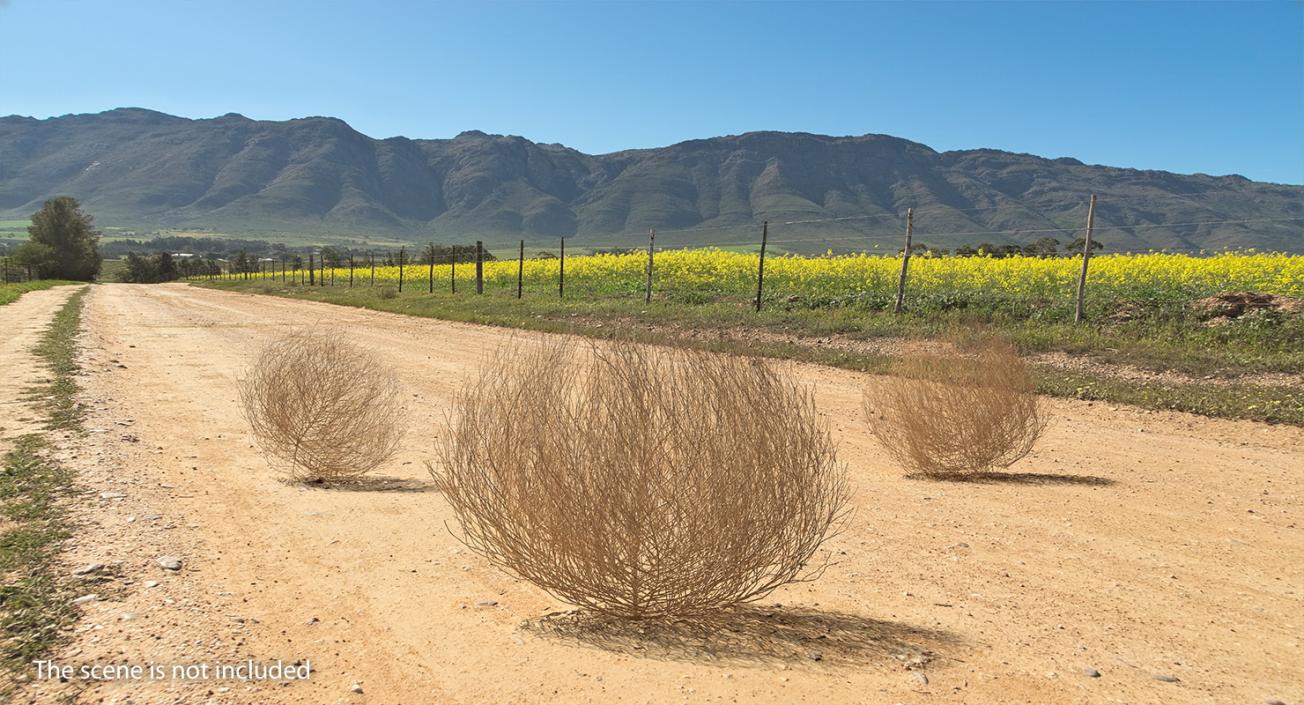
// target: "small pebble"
[[1165, 678], [357, 688], [1090, 673], [84, 599], [487, 603], [89, 568], [169, 563], [151, 583]]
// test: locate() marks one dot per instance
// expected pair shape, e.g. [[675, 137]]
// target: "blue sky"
[[1188, 87]]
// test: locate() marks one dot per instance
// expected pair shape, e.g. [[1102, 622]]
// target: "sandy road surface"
[[21, 324], [1165, 544]]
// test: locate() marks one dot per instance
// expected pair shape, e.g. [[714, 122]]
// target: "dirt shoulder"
[[22, 323], [1132, 544]]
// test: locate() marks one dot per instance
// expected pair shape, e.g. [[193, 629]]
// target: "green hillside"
[[317, 178]]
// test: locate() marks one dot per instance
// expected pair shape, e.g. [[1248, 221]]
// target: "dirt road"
[[1136, 546]]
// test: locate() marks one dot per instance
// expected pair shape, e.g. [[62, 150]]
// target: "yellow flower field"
[[845, 279]]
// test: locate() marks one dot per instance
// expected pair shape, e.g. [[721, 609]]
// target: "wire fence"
[[1031, 283], [14, 272]]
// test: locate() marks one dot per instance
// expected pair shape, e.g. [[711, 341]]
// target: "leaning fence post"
[[479, 267], [651, 238], [1079, 313], [520, 270], [561, 272], [905, 261], [760, 271]]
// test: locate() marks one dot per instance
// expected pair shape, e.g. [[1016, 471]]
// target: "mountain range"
[[318, 177]]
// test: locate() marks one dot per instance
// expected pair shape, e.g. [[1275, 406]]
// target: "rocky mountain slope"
[[144, 169]]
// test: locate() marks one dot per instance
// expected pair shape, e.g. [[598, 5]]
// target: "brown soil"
[[1135, 544], [1236, 304]]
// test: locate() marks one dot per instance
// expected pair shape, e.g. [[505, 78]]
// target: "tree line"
[[164, 266], [1044, 247]]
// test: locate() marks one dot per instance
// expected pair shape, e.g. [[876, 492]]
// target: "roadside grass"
[[1164, 340], [59, 350], [34, 600], [9, 292]]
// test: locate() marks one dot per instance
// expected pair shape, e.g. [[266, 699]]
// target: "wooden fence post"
[[452, 277], [561, 272], [1079, 313], [651, 239], [312, 271], [520, 270], [401, 261], [479, 267], [350, 270], [282, 269], [905, 261], [431, 252], [372, 256], [760, 271]]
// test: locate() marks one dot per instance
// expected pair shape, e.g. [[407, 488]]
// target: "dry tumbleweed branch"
[[642, 482], [327, 409], [953, 414]]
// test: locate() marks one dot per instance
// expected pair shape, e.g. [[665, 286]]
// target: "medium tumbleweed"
[[953, 414], [326, 409]]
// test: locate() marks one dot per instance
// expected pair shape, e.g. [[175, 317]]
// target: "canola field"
[[705, 275]]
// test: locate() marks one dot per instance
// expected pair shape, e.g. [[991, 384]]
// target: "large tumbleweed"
[[326, 409], [642, 482], [954, 414]]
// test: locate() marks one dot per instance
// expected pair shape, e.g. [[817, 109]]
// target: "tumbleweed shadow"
[[1022, 478], [753, 634], [372, 483]]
